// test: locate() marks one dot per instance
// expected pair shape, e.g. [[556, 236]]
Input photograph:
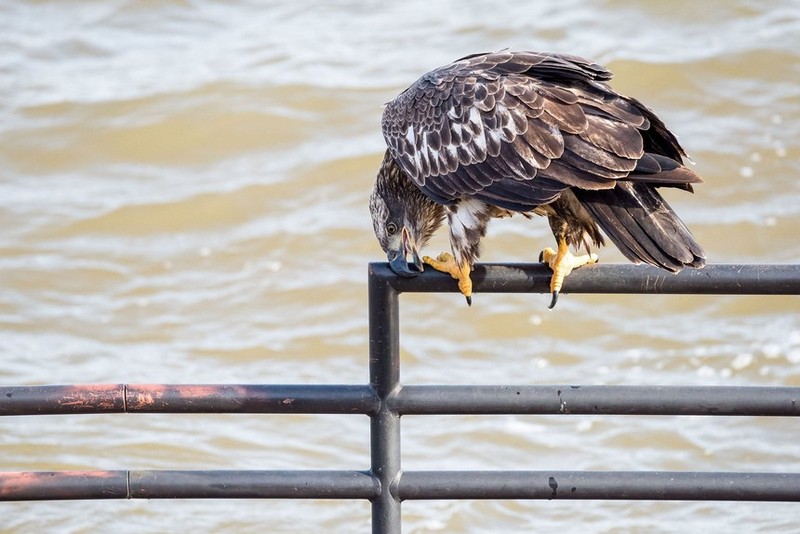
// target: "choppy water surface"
[[183, 195]]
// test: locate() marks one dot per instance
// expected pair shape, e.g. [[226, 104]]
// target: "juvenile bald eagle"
[[495, 134]]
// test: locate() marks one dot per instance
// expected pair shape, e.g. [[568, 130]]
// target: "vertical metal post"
[[384, 377]]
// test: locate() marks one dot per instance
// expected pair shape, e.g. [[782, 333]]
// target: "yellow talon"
[[562, 262], [447, 264]]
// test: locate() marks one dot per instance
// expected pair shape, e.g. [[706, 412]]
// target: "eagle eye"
[[391, 228]]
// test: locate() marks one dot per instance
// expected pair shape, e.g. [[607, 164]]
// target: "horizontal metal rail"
[[410, 485], [597, 400], [617, 485], [170, 484], [405, 400], [714, 279], [385, 399], [187, 398]]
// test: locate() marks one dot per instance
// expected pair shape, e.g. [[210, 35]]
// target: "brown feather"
[[613, 136]]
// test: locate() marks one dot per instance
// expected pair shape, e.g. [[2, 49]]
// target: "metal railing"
[[385, 400]]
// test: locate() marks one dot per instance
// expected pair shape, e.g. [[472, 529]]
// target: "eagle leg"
[[562, 262], [447, 264]]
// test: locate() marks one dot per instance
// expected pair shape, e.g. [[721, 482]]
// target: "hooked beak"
[[397, 258]]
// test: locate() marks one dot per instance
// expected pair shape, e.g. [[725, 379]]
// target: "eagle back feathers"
[[516, 129]]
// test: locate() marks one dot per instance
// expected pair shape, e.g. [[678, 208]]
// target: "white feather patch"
[[470, 216], [480, 133]]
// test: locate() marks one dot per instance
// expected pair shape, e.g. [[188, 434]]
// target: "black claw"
[[469, 301], [553, 302], [541, 257]]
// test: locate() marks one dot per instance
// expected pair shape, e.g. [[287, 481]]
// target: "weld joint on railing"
[[375, 404], [376, 484], [394, 486], [394, 401]]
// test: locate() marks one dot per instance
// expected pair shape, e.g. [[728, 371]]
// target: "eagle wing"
[[516, 129]]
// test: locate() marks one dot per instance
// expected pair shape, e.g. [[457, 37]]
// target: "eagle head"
[[404, 218]]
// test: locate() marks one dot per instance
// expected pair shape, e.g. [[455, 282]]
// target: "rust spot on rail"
[[63, 485]]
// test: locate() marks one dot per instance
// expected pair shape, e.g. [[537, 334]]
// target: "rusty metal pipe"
[[187, 398]]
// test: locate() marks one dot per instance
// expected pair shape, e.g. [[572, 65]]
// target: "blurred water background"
[[183, 190]]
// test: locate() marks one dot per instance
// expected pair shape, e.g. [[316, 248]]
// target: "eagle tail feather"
[[641, 224], [662, 171]]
